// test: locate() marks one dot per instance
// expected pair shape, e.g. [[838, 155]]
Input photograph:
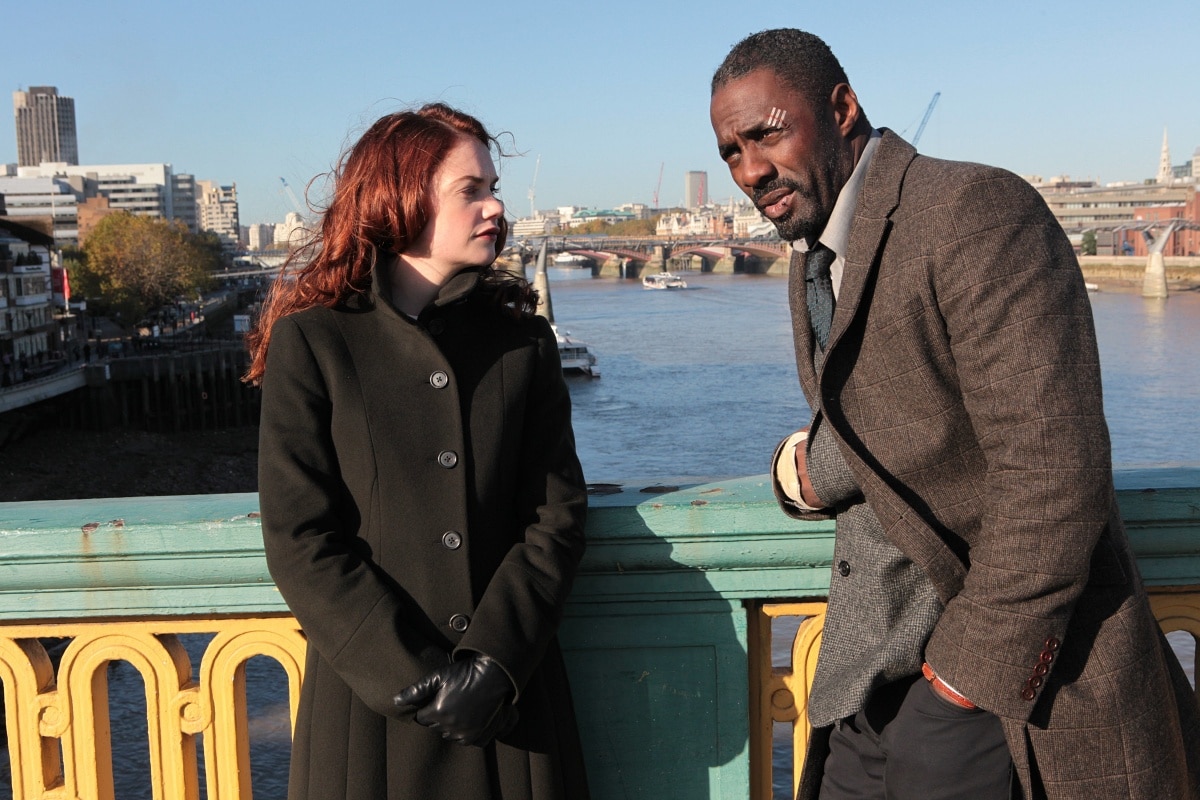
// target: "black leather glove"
[[467, 701]]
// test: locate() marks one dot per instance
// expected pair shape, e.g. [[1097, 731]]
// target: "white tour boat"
[[574, 354], [663, 280]]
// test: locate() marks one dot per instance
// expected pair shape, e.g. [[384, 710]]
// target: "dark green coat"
[[411, 474]]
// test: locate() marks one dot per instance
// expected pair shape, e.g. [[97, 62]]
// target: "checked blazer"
[[961, 383]]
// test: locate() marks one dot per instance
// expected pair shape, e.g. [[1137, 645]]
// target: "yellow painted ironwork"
[[779, 694], [58, 723]]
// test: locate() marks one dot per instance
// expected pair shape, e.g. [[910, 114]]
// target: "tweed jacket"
[[421, 496], [962, 384]]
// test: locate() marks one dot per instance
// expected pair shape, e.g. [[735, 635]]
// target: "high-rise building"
[[695, 189], [217, 211], [261, 236], [45, 127]]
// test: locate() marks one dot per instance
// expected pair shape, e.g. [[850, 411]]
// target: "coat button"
[[1041, 669], [1028, 694], [1034, 681], [1052, 644], [460, 622], [451, 540], [437, 326], [439, 379], [843, 568], [448, 458]]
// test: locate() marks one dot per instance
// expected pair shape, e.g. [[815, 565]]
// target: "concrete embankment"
[[1119, 272]]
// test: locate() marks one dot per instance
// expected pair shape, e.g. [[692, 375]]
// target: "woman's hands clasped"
[[467, 701]]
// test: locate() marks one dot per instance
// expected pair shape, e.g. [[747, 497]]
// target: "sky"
[[599, 99]]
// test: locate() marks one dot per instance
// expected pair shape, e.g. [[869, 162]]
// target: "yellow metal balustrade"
[[678, 596], [780, 693], [58, 724]]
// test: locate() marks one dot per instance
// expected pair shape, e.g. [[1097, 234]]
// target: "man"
[[987, 633]]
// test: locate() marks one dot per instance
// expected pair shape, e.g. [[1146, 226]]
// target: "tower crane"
[[533, 187], [292, 196], [659, 184], [928, 112]]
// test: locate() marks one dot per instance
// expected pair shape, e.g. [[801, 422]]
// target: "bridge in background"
[[631, 257]]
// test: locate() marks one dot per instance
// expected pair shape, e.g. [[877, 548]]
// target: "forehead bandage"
[[778, 115]]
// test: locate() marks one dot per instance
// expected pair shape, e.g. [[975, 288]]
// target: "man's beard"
[[801, 220], [806, 218]]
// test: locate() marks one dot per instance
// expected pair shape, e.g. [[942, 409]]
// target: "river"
[[701, 382]]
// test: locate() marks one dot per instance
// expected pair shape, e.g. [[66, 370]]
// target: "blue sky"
[[605, 93]]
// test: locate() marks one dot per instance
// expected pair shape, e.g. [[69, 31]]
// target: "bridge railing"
[[671, 628]]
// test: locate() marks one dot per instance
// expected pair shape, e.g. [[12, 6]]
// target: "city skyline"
[[606, 98]]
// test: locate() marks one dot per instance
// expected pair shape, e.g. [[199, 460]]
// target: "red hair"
[[381, 203]]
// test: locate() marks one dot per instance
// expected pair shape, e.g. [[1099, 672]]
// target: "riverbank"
[[1126, 273], [59, 464]]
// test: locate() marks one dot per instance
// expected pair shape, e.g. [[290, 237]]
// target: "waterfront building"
[[1127, 215], [708, 221], [27, 315], [538, 225], [290, 233], [45, 123], [148, 190], [1121, 214], [217, 211], [183, 200], [43, 198], [695, 190], [89, 213], [750, 223], [638, 210], [586, 215], [261, 236]]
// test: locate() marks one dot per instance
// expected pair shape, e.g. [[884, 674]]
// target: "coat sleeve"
[[359, 620], [1019, 323], [521, 608]]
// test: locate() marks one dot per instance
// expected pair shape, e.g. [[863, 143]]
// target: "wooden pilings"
[[169, 393]]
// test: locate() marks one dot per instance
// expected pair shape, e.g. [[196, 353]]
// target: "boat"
[[663, 280], [570, 260], [576, 356]]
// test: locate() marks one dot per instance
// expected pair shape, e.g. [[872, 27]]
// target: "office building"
[[695, 190], [145, 190], [45, 127], [217, 211]]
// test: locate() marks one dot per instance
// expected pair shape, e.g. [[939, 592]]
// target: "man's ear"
[[844, 104]]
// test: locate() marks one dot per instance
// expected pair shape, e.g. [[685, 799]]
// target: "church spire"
[[1164, 161]]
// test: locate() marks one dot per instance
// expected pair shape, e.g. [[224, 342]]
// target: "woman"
[[422, 503]]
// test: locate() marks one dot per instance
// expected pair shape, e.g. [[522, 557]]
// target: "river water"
[[702, 383]]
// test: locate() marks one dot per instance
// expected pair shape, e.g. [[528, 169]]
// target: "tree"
[[1087, 245], [136, 263]]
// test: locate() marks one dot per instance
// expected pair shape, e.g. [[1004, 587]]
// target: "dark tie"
[[819, 290]]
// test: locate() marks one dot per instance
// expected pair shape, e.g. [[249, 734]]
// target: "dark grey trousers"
[[910, 744]]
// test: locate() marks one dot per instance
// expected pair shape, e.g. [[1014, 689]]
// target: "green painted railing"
[[664, 633]]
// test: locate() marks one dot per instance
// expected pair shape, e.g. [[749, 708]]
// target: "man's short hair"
[[802, 59]]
